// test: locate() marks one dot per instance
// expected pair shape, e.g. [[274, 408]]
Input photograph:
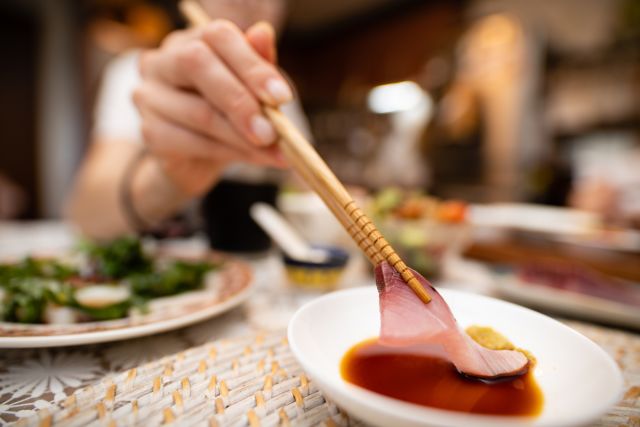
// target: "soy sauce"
[[431, 380]]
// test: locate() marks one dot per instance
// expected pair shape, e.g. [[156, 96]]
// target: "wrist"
[[191, 178], [148, 195]]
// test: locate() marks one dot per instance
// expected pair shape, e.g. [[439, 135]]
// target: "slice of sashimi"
[[406, 320]]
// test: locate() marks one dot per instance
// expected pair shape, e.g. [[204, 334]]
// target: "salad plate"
[[163, 299], [578, 380]]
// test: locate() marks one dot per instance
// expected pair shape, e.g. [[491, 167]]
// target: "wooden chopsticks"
[[308, 163], [360, 238], [193, 11]]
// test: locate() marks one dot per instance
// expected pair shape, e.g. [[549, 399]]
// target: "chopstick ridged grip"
[[358, 236], [383, 247], [311, 166]]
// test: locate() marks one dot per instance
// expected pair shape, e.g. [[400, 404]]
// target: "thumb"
[[261, 37]]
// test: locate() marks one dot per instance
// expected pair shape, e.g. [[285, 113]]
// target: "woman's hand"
[[200, 101]]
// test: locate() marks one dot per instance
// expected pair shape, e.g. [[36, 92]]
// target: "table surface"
[[36, 379]]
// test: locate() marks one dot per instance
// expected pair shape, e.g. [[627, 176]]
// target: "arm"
[[199, 102], [95, 204]]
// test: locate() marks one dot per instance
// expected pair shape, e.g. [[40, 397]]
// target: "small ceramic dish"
[[317, 275], [578, 379]]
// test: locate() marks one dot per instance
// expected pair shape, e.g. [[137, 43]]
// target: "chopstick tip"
[[417, 287]]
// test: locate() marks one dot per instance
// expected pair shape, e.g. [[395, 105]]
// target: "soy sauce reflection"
[[433, 381]]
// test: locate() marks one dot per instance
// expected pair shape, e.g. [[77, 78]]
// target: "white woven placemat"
[[255, 381], [247, 381]]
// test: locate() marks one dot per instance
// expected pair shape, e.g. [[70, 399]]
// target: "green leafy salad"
[[100, 282]]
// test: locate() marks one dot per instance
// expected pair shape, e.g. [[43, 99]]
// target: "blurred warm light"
[[498, 29], [144, 26], [396, 97]]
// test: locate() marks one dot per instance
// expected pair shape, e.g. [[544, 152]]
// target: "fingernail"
[[264, 26], [262, 129], [279, 90]]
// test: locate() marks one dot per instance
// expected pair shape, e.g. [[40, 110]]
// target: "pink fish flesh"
[[406, 321]]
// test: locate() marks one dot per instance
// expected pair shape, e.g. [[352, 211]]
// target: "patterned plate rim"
[[235, 281]]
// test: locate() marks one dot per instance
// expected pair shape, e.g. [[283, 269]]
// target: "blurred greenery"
[[118, 258], [28, 286]]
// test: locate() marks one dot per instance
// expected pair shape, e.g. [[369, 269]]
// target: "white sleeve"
[[115, 115]]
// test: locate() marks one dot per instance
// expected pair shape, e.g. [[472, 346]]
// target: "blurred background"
[[507, 132], [508, 100]]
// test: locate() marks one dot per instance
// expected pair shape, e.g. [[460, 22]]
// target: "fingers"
[[179, 37], [188, 110], [260, 76], [163, 66], [223, 90], [261, 37], [231, 74], [161, 63], [195, 65], [167, 139]]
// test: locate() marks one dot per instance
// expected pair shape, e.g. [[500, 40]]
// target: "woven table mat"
[[255, 381], [248, 381]]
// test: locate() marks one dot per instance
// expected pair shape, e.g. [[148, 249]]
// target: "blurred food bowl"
[[422, 229]]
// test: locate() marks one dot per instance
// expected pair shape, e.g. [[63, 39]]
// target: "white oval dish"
[[578, 379]]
